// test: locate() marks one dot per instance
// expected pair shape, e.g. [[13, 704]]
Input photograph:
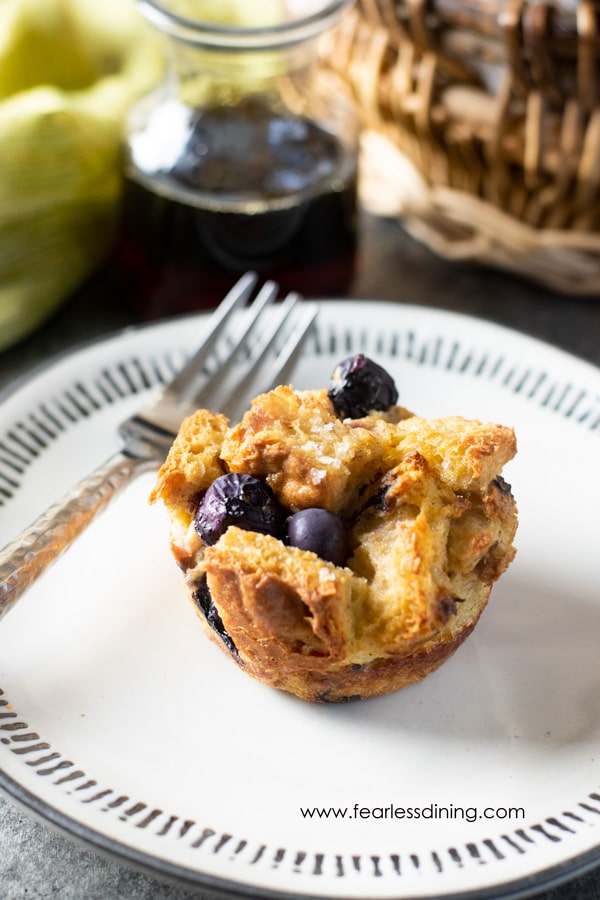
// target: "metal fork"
[[243, 351]]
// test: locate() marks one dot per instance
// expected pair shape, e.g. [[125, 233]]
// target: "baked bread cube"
[[336, 548]]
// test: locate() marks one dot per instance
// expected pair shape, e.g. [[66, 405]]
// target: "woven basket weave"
[[482, 128]]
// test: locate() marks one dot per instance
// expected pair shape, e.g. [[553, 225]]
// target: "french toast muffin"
[[335, 545]]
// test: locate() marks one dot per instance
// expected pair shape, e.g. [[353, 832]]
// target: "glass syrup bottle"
[[243, 158]]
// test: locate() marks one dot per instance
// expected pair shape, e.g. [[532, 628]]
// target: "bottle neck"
[[207, 77], [221, 50]]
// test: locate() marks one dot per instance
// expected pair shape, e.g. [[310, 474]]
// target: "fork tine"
[[287, 356], [147, 435], [266, 296], [215, 377], [254, 379], [256, 357], [234, 299]]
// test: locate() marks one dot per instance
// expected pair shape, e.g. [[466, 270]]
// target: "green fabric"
[[69, 71]]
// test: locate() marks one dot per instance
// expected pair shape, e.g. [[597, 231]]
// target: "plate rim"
[[513, 889], [166, 870], [22, 380]]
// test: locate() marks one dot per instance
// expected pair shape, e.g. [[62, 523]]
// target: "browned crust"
[[296, 623], [193, 462], [293, 439], [316, 679], [431, 527]]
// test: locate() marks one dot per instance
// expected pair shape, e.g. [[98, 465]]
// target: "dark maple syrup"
[[246, 189]]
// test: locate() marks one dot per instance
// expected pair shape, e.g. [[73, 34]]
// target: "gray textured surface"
[[40, 863], [37, 862]]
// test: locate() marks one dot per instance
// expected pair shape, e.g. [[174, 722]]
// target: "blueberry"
[[320, 531], [503, 486], [359, 385], [240, 500], [204, 601]]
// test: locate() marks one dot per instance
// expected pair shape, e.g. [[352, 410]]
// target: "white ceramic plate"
[[122, 724]]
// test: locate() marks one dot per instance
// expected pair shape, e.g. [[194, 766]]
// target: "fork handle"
[[24, 559]]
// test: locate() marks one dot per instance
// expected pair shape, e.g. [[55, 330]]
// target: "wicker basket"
[[482, 128]]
